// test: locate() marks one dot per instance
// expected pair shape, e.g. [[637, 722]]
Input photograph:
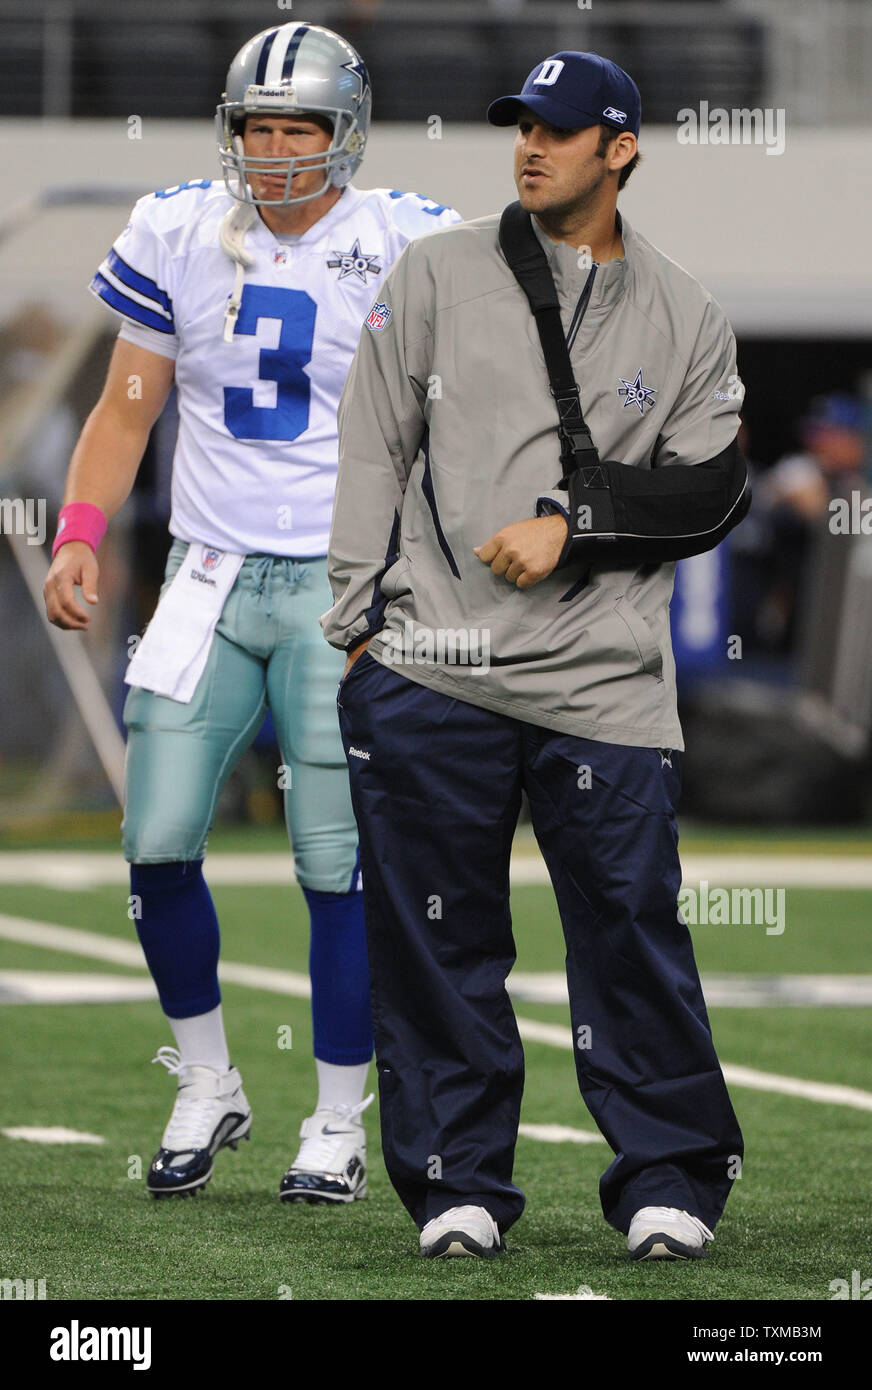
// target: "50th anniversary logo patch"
[[354, 262], [637, 393]]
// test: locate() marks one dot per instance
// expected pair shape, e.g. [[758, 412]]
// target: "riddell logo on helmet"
[[267, 96]]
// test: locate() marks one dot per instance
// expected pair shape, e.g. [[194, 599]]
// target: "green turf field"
[[78, 1215]]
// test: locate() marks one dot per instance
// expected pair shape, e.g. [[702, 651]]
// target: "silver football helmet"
[[299, 69]]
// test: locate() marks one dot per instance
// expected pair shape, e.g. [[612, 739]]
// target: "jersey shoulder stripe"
[[128, 305], [134, 281], [139, 275]]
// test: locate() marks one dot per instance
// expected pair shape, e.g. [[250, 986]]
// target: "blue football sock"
[[178, 930], [341, 1019]]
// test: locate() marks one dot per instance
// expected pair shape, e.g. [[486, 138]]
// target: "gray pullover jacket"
[[448, 432]]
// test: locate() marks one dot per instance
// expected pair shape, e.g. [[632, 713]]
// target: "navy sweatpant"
[[436, 786]]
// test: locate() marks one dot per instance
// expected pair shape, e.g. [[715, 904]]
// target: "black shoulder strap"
[[529, 265]]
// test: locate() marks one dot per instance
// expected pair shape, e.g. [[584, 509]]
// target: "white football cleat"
[[331, 1163], [210, 1112], [462, 1231], [665, 1233]]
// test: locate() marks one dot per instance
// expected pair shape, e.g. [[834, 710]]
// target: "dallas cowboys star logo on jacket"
[[637, 393]]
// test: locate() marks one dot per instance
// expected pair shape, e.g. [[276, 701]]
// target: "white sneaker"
[[331, 1163], [462, 1231], [665, 1233], [210, 1112]]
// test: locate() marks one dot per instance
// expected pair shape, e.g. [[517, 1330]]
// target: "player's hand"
[[75, 563], [354, 654], [526, 551]]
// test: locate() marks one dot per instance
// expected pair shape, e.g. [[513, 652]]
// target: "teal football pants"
[[268, 649]]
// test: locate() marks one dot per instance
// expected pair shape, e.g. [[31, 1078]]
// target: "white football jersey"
[[255, 462]]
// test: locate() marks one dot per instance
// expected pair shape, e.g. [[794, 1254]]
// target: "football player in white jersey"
[[250, 295]]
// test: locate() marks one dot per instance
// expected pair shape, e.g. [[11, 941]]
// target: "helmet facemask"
[[337, 162]]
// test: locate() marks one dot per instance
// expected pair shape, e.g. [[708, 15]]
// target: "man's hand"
[[75, 563], [354, 654], [526, 551]]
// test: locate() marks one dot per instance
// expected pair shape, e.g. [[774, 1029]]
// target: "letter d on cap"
[[549, 72]]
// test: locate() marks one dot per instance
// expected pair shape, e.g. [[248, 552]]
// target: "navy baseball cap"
[[575, 90]]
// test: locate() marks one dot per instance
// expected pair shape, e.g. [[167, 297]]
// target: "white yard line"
[[555, 1036], [584, 1291], [73, 940], [70, 987], [97, 946], [91, 944], [744, 871], [552, 1034], [530, 987], [560, 1134], [52, 1134], [725, 991], [264, 977], [823, 1091], [73, 869]]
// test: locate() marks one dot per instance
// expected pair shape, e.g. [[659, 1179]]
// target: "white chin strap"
[[231, 236]]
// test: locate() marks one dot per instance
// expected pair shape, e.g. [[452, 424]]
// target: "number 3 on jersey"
[[284, 365]]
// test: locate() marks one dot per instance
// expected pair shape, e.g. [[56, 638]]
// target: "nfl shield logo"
[[212, 559], [378, 317]]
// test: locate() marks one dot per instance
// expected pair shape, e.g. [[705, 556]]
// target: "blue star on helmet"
[[637, 393], [355, 262], [359, 70]]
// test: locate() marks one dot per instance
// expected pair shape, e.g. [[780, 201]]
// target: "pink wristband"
[[80, 521]]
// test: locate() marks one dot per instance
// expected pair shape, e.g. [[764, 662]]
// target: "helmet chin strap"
[[231, 235]]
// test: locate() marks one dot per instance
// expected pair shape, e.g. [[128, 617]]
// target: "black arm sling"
[[618, 514]]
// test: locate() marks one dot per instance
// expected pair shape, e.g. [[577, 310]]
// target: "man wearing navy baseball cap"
[[543, 526]]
